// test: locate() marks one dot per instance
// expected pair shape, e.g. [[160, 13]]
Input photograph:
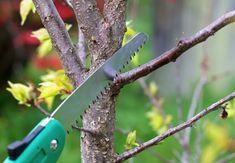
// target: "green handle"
[[46, 145]]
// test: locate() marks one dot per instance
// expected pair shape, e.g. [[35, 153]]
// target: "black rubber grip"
[[17, 147]]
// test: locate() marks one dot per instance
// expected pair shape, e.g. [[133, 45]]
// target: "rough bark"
[[103, 35], [100, 119], [60, 39]]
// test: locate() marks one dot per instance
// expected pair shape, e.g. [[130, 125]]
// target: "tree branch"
[[172, 131], [60, 39], [81, 45], [171, 55], [115, 14], [93, 26], [185, 141], [227, 158]]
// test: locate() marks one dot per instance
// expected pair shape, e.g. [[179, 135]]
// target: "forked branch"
[[189, 123], [60, 39]]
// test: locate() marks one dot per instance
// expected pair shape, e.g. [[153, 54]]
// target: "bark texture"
[[103, 30]]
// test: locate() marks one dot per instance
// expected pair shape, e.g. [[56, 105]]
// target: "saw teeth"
[[80, 117], [97, 97]]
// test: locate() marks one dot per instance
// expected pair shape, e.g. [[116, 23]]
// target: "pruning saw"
[[45, 142]]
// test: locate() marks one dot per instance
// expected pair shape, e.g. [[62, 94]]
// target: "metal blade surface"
[[79, 100]]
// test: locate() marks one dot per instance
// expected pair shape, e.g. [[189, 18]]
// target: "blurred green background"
[[165, 21]]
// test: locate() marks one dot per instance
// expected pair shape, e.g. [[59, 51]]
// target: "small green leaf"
[[41, 34], [20, 92], [25, 7], [158, 122], [68, 26], [45, 48], [153, 88], [130, 32], [49, 101], [46, 45], [131, 140]]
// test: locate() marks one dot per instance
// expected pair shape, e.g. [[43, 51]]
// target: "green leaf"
[[41, 34], [45, 48], [153, 88], [158, 122], [25, 7], [49, 101], [46, 44], [20, 92], [131, 140], [130, 32], [49, 89], [59, 78]]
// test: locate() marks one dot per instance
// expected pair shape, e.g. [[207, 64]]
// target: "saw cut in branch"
[[182, 46], [60, 39], [189, 123]]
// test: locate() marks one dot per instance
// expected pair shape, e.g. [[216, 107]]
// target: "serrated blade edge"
[[79, 100]]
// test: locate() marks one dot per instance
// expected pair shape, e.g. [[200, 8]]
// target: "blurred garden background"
[[208, 68]]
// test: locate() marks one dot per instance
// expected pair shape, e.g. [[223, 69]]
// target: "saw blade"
[[84, 95]]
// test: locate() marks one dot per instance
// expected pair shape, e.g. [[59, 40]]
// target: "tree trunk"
[[100, 118], [103, 30]]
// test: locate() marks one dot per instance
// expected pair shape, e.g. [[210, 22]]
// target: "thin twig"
[[155, 103], [186, 136], [84, 130], [179, 101], [198, 144], [152, 99], [81, 47], [39, 108], [171, 55], [172, 131], [194, 104], [227, 158]]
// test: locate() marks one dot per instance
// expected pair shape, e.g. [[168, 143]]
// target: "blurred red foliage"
[[16, 44], [50, 62]]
